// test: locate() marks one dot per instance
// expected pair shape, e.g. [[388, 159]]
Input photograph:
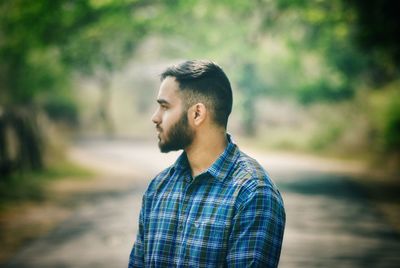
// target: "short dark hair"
[[204, 81]]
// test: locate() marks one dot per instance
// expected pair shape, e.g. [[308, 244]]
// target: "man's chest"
[[191, 220]]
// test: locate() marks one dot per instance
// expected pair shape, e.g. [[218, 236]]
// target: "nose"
[[156, 117]]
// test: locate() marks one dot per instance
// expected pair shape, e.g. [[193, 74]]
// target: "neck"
[[205, 149]]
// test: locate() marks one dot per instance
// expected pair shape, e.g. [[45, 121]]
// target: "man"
[[216, 206]]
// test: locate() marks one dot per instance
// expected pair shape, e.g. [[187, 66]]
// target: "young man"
[[216, 206]]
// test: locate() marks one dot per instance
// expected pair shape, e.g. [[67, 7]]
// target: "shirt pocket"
[[207, 239]]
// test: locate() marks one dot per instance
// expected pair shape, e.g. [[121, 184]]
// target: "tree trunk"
[[21, 146], [249, 116], [105, 108]]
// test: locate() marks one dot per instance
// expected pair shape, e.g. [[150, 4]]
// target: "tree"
[[43, 43], [378, 29]]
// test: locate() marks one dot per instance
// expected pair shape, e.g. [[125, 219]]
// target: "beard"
[[179, 136]]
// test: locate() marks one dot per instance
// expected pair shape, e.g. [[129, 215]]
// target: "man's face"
[[174, 132]]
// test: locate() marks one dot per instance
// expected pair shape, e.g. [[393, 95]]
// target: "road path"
[[329, 221]]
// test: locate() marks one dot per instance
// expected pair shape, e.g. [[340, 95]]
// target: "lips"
[[159, 130]]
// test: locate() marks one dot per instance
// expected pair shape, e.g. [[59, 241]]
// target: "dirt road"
[[330, 223]]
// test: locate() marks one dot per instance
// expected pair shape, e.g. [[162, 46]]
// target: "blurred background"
[[316, 97]]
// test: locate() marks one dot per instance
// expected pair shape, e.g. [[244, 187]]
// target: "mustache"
[[158, 128]]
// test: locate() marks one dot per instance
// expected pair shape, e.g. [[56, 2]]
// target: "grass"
[[26, 207], [31, 186]]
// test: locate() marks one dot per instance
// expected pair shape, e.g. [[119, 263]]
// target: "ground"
[[330, 219]]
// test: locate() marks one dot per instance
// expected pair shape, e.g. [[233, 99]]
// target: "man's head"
[[205, 82], [190, 85]]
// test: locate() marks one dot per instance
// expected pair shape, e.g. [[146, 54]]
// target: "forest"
[[316, 76]]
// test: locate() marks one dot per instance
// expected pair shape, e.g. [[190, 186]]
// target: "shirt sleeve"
[[257, 230], [136, 258]]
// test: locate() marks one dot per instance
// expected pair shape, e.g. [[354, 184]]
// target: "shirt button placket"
[[183, 217]]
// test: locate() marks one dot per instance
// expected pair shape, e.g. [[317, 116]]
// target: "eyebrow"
[[162, 101]]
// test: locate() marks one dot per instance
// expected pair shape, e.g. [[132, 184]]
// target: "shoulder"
[[158, 181], [247, 170], [252, 180]]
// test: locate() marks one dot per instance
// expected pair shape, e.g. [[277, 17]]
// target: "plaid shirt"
[[231, 215]]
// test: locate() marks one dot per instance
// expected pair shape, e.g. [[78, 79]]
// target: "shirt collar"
[[220, 169]]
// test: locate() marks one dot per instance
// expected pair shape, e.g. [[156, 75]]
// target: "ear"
[[197, 114]]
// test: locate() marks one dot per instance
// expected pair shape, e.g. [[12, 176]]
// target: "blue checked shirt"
[[231, 215]]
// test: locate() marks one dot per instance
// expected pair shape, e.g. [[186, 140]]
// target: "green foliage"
[[326, 136], [28, 62], [385, 118], [109, 41], [391, 131], [322, 90], [378, 31], [19, 188], [62, 109], [89, 35], [44, 41], [31, 186], [303, 50], [275, 37]]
